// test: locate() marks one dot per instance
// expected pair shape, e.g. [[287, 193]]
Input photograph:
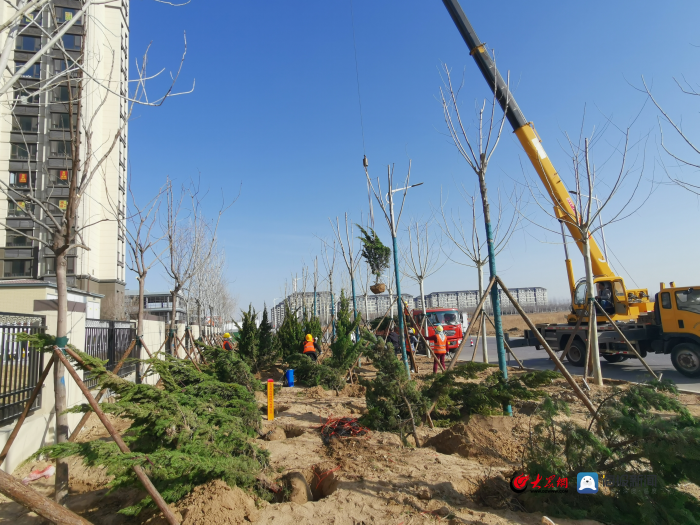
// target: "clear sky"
[[275, 113]]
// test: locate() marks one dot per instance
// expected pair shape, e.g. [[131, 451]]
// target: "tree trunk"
[[424, 324], [593, 342], [484, 343], [142, 291], [173, 326], [495, 299], [62, 432]]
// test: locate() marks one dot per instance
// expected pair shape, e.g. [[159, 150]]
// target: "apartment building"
[[468, 299], [35, 144], [369, 306], [159, 304]]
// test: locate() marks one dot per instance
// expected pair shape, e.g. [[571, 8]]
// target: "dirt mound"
[[492, 440], [353, 391], [214, 502], [316, 392]]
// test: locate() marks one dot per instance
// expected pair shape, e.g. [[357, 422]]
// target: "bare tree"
[[28, 16], [690, 144], [59, 223], [422, 256], [467, 239], [329, 252], [583, 217], [190, 240], [350, 256], [477, 152]]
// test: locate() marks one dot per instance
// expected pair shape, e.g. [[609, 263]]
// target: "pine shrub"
[[195, 429], [633, 439]]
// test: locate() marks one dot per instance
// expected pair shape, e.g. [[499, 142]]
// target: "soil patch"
[[490, 439], [214, 502]]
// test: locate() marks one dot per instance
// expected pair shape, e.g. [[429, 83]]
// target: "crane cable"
[[357, 77]]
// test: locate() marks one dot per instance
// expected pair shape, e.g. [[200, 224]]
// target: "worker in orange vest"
[[311, 347], [227, 342], [440, 348]]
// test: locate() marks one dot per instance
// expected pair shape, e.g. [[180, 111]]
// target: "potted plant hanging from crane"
[[377, 256]]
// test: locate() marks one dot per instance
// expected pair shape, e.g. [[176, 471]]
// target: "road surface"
[[628, 370]]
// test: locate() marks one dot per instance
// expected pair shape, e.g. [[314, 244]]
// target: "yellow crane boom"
[[628, 304]]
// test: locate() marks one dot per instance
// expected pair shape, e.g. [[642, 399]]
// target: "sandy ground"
[[370, 479], [514, 324]]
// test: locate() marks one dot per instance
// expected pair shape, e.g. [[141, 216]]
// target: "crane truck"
[[668, 324]]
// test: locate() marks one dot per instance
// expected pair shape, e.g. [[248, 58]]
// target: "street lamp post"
[[393, 222]]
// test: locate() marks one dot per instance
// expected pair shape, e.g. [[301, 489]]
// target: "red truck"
[[453, 323]]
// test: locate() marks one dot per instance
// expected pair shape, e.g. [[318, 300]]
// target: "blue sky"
[[275, 113]]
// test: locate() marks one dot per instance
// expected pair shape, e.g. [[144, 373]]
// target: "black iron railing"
[[20, 365], [109, 340]]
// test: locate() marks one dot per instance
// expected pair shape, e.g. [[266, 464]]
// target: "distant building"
[[468, 299], [160, 304], [373, 306]]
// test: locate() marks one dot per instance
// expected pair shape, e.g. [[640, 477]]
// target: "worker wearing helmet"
[[227, 342], [412, 339], [440, 348], [311, 347]]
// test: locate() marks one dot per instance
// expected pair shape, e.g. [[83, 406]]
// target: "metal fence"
[[109, 340], [20, 366]]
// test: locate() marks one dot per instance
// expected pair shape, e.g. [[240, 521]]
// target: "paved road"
[[629, 370]]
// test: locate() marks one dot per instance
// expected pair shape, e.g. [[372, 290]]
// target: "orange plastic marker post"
[[270, 400]]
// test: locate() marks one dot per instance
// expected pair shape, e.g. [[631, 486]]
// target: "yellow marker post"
[[270, 400]]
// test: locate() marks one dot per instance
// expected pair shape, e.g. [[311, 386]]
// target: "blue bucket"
[[289, 377]]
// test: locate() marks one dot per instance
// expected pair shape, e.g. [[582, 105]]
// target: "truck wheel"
[[686, 359], [577, 353], [614, 358]]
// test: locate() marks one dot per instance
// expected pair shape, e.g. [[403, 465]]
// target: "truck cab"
[[451, 320], [677, 312], [620, 303]]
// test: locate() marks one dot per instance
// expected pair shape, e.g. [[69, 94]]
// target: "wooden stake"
[[453, 362], [27, 408], [505, 343], [102, 392], [577, 389], [629, 345], [152, 491], [43, 506], [478, 333], [477, 314], [573, 336], [425, 342]]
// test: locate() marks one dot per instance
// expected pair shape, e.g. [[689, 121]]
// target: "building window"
[[60, 148], [18, 239], [25, 96], [62, 121], [19, 208], [28, 43], [28, 19], [50, 266], [72, 42], [21, 179], [59, 177], [25, 123], [33, 72], [18, 268], [23, 151], [60, 94], [58, 66], [65, 14], [57, 206]]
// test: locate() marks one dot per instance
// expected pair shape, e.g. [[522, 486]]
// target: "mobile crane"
[[668, 324]]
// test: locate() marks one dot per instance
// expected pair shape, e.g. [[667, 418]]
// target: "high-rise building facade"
[[35, 143]]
